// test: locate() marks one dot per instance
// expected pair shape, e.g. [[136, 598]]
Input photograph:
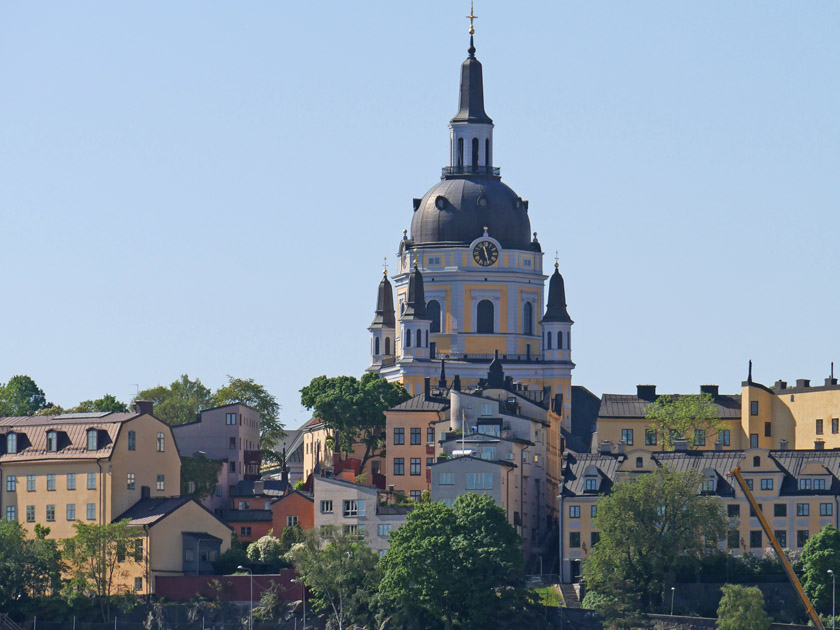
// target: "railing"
[[7, 624], [531, 358], [493, 171]]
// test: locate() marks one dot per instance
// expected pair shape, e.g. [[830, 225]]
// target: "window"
[[91, 511], [291, 520], [71, 511], [801, 537], [548, 340], [231, 467], [399, 465], [430, 461], [486, 409], [490, 453], [780, 509], [699, 437], [50, 513], [415, 466], [387, 345], [819, 427], [138, 548], [399, 435], [266, 504], [92, 440], [475, 161], [91, 481], [732, 539], [485, 318], [11, 514], [650, 437], [766, 484], [640, 462], [232, 444], [755, 538], [479, 481], [733, 510], [781, 536], [51, 482], [826, 509], [161, 483], [244, 531], [384, 530], [446, 479], [709, 484], [52, 441], [590, 484], [30, 513], [430, 435], [230, 418], [834, 425], [351, 529], [416, 495], [627, 436], [71, 481], [11, 443], [750, 484], [812, 484], [30, 483], [574, 511], [593, 511], [161, 442], [376, 345], [433, 311], [723, 437], [242, 505], [753, 440], [354, 507], [803, 509], [407, 337], [527, 319], [415, 435], [326, 507], [129, 481], [132, 441], [11, 483], [574, 540], [753, 407], [756, 461]]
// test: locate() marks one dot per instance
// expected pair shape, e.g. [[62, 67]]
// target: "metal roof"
[[150, 511], [631, 406], [422, 402]]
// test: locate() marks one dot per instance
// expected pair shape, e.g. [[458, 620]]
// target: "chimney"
[[831, 381], [783, 445], [803, 382], [681, 445], [605, 447], [646, 392], [819, 445], [620, 448], [456, 383], [145, 492], [143, 407], [259, 487], [780, 385], [718, 445], [558, 404], [427, 386], [709, 389]]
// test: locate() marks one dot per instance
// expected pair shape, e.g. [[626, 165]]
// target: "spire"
[[556, 309], [384, 317], [471, 103], [442, 382], [415, 306]]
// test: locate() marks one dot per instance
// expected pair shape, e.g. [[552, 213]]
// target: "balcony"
[[524, 358], [449, 171]]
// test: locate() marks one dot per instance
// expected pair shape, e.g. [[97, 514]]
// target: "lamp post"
[[251, 602], [833, 593], [303, 590], [673, 589]]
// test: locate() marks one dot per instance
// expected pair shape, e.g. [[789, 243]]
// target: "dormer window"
[[11, 443], [590, 484], [756, 461], [92, 440], [709, 483], [52, 441], [812, 484]]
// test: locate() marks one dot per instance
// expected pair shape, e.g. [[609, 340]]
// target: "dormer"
[[14, 442], [709, 484], [814, 476], [96, 439], [592, 479], [637, 461]]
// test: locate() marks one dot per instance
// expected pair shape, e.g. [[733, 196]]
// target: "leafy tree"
[[202, 473], [29, 567], [107, 403], [266, 549], [98, 556], [353, 410], [340, 570], [821, 553], [228, 561], [21, 396], [742, 608], [461, 565], [180, 402], [255, 395], [682, 416], [291, 536], [51, 410], [647, 525]]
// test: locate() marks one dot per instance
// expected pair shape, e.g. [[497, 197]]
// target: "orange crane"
[[809, 607]]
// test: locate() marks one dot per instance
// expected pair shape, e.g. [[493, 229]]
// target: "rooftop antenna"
[[832, 369], [136, 388], [749, 373]]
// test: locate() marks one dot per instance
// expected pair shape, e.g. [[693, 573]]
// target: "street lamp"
[[303, 590], [833, 593], [673, 589], [251, 607]]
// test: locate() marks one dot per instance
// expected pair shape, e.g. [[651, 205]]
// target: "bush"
[[742, 608]]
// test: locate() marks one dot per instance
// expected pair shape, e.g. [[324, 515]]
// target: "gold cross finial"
[[556, 259], [385, 265], [472, 16]]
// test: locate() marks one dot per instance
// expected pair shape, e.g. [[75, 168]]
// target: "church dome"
[[457, 209]]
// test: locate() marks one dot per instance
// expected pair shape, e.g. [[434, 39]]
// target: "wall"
[[235, 588]]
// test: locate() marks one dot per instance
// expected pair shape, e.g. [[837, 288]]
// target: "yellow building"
[[95, 468]]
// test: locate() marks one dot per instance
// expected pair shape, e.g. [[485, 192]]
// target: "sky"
[[210, 187]]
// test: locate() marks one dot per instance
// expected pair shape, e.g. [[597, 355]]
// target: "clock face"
[[485, 253]]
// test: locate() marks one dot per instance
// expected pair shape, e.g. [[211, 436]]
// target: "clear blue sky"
[[210, 187]]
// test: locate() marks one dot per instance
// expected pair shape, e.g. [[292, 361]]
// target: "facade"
[[295, 508]]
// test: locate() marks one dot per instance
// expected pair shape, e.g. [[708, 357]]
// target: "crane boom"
[[809, 607]]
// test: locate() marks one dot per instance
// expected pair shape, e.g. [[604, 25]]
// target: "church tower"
[[469, 282], [383, 328]]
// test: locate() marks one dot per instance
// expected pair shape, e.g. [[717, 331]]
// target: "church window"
[[427, 339], [484, 317], [487, 152], [475, 152], [433, 309], [569, 340], [527, 319], [407, 337], [548, 340], [460, 151], [376, 346], [559, 339], [387, 345]]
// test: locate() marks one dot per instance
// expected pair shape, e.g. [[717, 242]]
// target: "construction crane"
[[809, 607]]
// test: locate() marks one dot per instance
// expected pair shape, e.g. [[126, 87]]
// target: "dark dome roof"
[[457, 209]]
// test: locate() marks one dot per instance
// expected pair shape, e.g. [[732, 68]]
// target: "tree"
[[97, 556], [21, 396], [199, 476], [340, 570], [684, 416], [647, 524], [461, 565], [266, 549], [255, 395], [821, 553], [291, 535], [29, 567], [180, 402], [353, 410], [107, 403], [742, 608]]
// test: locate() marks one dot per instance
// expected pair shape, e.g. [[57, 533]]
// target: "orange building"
[[295, 508]]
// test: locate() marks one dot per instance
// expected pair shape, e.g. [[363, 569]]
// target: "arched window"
[[433, 309], [487, 152], [548, 340], [376, 346], [92, 440], [559, 339], [52, 441], [387, 345], [407, 337], [460, 151], [527, 319], [484, 317], [475, 152], [11, 443]]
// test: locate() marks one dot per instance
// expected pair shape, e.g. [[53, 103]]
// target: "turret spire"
[[384, 317], [415, 306], [556, 308]]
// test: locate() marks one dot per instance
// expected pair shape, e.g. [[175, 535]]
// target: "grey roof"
[[201, 536], [471, 93], [631, 406], [495, 462], [271, 488], [150, 511], [556, 308], [422, 402], [245, 516], [384, 317], [415, 304]]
